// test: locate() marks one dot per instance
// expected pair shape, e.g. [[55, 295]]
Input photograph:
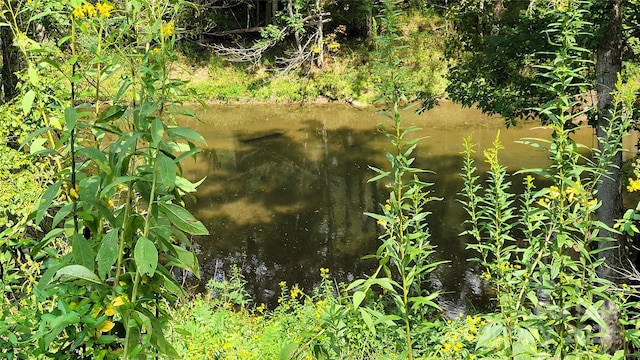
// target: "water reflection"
[[286, 189]]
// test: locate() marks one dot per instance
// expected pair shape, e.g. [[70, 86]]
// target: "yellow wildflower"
[[117, 301], [587, 203], [260, 308], [168, 29], [96, 311], [110, 310], [387, 207], [104, 9], [295, 291], [447, 346], [78, 12], [571, 192], [89, 10], [562, 5], [106, 326], [554, 192], [382, 223], [634, 185], [282, 283]]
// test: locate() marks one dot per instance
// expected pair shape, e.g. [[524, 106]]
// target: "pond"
[[287, 185]]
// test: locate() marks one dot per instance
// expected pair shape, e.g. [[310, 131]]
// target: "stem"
[[147, 223], [127, 337], [99, 71]]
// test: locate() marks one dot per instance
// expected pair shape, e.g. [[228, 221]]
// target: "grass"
[[346, 75], [321, 325]]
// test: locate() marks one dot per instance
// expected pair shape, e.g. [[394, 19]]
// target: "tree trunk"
[[369, 21], [498, 7], [296, 33], [10, 64], [320, 42], [608, 66]]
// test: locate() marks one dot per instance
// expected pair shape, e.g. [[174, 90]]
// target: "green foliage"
[[540, 256], [302, 326], [404, 255], [116, 198], [494, 54], [231, 292]]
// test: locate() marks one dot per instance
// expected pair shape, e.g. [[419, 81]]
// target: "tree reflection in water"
[[287, 186]]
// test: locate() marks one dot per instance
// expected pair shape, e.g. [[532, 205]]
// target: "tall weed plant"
[[539, 250], [405, 249], [113, 217]]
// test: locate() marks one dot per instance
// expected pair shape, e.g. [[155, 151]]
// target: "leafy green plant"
[[116, 199], [230, 292], [541, 256], [404, 255]]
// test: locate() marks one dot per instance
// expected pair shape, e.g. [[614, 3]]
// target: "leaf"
[[37, 146], [176, 133], [50, 236], [76, 272], [167, 169], [108, 253], [27, 102], [183, 219], [45, 201], [117, 181], [186, 185], [170, 283], [366, 317], [145, 255], [70, 117], [82, 251], [112, 112], [97, 156], [358, 297], [59, 323], [490, 334], [525, 347], [157, 131], [287, 351], [185, 259]]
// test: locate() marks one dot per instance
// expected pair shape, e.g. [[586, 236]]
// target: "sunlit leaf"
[[108, 253], [183, 219], [145, 255], [77, 272], [46, 199], [167, 169], [157, 131], [82, 251]]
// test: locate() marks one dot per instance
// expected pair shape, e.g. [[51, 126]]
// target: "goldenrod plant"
[[404, 255], [539, 250]]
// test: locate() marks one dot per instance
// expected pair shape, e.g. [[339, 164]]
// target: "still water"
[[286, 187]]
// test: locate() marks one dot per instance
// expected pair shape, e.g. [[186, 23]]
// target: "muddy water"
[[286, 188]]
